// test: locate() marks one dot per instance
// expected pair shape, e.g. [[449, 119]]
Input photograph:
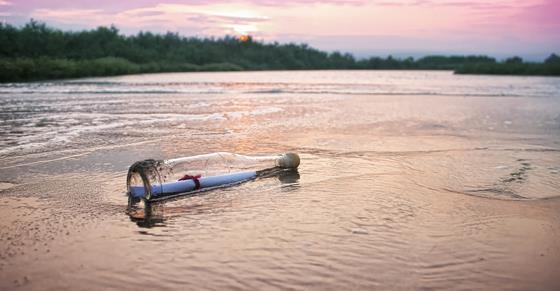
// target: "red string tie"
[[194, 178]]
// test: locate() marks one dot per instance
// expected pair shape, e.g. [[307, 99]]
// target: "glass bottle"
[[159, 179]]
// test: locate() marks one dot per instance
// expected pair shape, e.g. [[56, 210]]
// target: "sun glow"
[[243, 29], [238, 15], [244, 38]]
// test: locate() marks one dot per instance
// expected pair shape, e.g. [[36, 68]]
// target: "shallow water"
[[408, 180]]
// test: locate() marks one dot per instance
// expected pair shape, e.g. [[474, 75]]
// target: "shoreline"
[[79, 77]]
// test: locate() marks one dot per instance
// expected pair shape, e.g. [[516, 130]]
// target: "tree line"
[[36, 51]]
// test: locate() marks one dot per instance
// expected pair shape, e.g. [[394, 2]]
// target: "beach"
[[408, 180]]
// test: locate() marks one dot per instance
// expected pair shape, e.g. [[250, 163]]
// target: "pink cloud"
[[111, 5], [546, 14]]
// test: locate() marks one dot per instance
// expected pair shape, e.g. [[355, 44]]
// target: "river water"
[[408, 180]]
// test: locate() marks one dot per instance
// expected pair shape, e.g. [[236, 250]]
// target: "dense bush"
[[27, 69], [513, 66], [36, 51]]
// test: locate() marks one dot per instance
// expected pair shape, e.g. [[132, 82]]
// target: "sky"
[[500, 28]]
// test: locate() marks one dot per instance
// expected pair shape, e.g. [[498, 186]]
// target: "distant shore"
[[36, 52]]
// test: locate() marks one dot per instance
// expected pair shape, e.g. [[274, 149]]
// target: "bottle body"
[[152, 178]]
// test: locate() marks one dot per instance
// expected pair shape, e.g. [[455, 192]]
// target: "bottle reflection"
[[290, 177], [152, 214]]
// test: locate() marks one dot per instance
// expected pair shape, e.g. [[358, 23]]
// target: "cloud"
[[239, 18], [547, 11], [70, 15], [119, 6], [5, 3], [541, 19], [299, 2], [199, 20], [474, 4]]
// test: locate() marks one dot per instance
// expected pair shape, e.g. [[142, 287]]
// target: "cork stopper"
[[289, 161]]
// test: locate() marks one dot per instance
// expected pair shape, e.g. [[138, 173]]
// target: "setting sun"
[[244, 38]]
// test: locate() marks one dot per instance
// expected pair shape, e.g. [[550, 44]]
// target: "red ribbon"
[[194, 178]]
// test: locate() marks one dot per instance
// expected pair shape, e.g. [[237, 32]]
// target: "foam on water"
[[361, 83]]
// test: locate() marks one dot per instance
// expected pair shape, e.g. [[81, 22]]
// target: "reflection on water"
[[150, 214], [408, 180]]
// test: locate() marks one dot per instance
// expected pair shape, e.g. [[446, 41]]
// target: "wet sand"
[[393, 192]]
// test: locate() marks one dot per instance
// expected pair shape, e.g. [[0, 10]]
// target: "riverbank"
[[44, 69], [549, 68], [27, 70]]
